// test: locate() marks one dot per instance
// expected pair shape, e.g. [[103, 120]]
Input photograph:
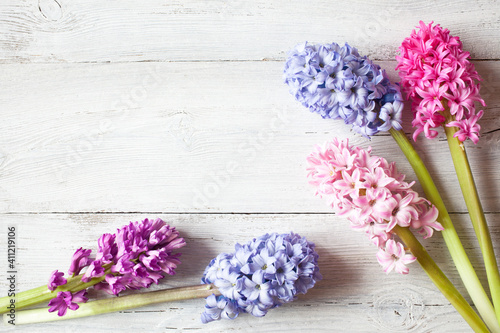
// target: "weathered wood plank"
[[127, 31], [174, 137], [170, 107], [355, 295]]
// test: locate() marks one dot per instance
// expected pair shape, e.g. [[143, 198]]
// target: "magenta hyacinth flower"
[[373, 196], [139, 254], [436, 75], [56, 279], [66, 300], [80, 260]]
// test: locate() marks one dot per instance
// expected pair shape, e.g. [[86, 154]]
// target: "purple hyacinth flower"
[[56, 279], [106, 248], [354, 94], [65, 300], [390, 113], [229, 284], [336, 82], [284, 271], [114, 284], [263, 261], [218, 307], [79, 260], [257, 288], [94, 270], [149, 244], [136, 256], [260, 275], [216, 267]]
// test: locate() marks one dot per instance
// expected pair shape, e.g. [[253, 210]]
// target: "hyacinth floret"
[[66, 300], [260, 275], [373, 196], [338, 83], [436, 75], [139, 254], [56, 279]]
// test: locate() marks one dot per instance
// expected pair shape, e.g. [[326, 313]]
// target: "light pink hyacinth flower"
[[394, 257], [373, 196]]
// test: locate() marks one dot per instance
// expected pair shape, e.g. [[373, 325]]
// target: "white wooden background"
[[114, 111]]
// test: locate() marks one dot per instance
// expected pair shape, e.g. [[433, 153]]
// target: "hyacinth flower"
[[337, 83], [321, 76], [137, 255], [258, 276], [373, 196], [443, 86]]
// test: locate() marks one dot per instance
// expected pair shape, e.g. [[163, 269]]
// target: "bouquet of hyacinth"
[[338, 83], [263, 274], [443, 86]]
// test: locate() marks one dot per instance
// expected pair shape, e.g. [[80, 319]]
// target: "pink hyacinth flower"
[[468, 128], [371, 194], [436, 75], [394, 257]]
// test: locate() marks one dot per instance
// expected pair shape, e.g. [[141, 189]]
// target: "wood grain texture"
[[127, 31], [354, 295], [121, 110], [113, 140]]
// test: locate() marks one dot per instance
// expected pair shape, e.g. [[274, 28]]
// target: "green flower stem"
[[43, 294], [450, 236], [116, 304], [471, 197], [440, 280]]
